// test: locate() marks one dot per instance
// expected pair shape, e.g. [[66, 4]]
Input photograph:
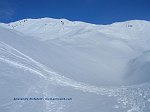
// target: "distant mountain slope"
[[101, 52]]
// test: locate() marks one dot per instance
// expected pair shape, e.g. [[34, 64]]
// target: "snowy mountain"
[[89, 63]]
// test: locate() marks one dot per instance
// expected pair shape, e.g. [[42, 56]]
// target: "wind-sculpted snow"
[[138, 68], [132, 98]]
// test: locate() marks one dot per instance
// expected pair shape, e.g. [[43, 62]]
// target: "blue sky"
[[92, 11]]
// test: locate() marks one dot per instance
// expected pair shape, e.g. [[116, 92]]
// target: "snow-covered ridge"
[[48, 28]]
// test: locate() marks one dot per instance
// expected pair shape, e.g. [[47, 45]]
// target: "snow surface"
[[103, 68]]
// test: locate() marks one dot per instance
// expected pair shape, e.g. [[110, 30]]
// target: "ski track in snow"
[[133, 98]]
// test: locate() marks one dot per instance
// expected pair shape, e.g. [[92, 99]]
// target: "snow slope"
[[59, 58], [105, 51]]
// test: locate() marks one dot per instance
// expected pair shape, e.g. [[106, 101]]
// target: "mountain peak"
[[49, 28]]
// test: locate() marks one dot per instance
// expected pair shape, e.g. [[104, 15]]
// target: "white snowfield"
[[103, 68]]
